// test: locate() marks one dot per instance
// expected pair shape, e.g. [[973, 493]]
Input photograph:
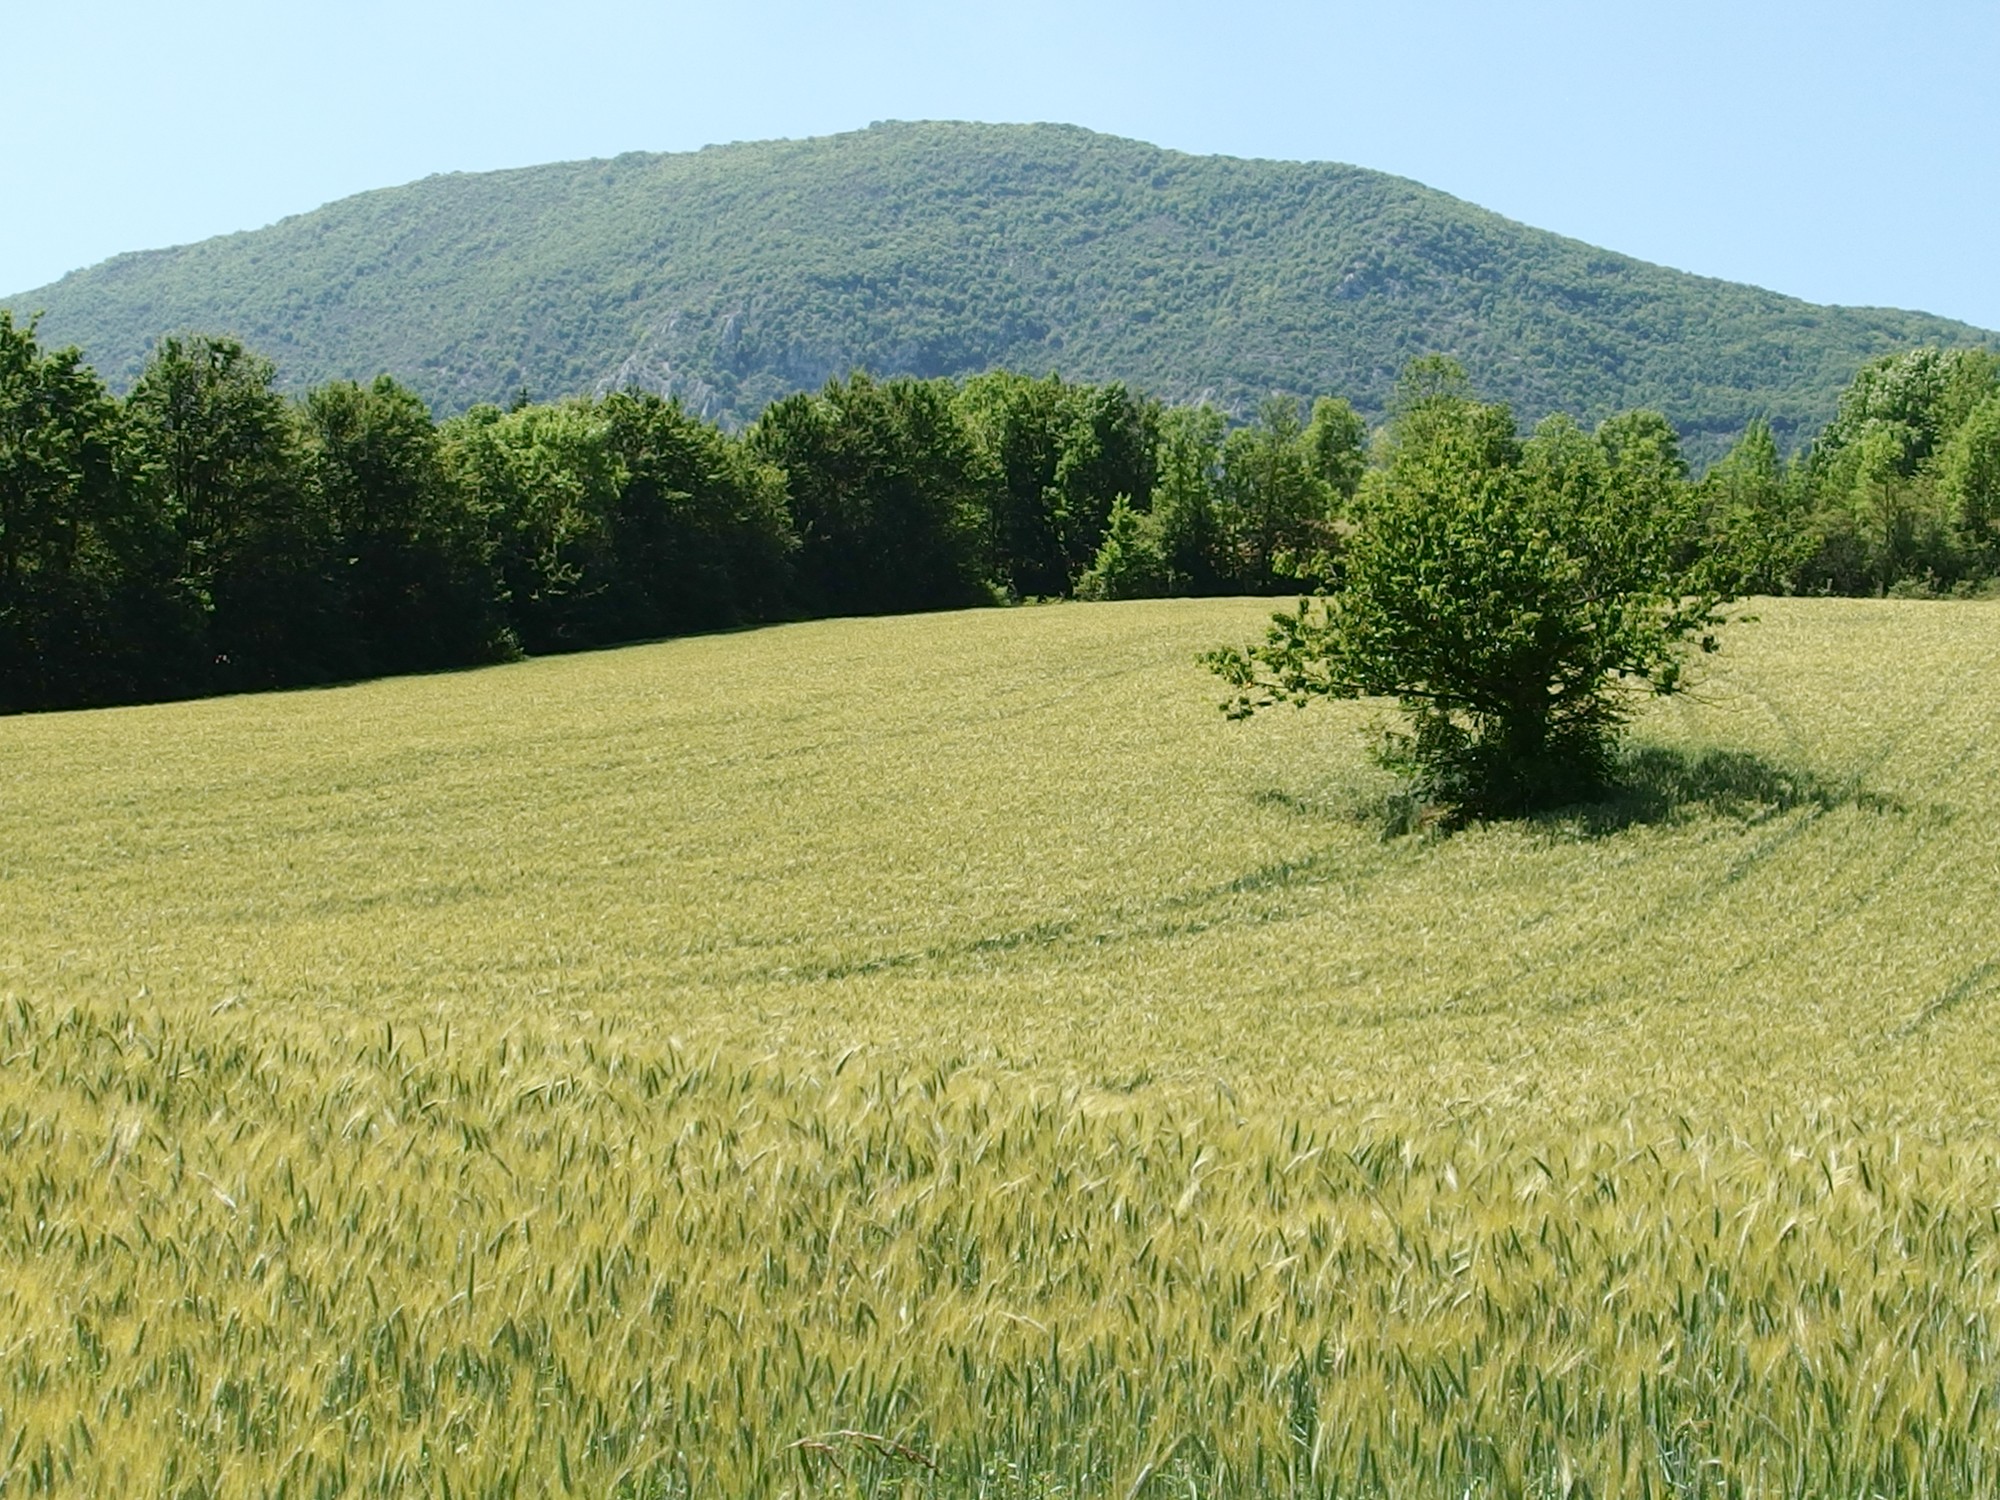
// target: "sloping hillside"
[[944, 1052], [737, 273]]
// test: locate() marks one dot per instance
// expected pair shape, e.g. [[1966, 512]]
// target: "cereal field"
[[941, 1056]]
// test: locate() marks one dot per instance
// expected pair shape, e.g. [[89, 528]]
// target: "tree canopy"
[[1508, 595], [210, 533], [88, 600]]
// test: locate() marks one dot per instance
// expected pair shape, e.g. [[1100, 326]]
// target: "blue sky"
[[1841, 152]]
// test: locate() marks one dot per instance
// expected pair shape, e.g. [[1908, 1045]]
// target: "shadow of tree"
[[1656, 784], [1653, 784]]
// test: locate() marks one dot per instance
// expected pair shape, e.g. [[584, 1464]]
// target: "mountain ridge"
[[738, 273]]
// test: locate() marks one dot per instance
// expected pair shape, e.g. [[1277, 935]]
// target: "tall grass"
[[940, 1057]]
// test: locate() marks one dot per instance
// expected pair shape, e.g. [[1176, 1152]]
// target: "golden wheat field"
[[942, 1056]]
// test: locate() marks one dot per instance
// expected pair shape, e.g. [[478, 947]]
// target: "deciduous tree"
[[224, 448], [88, 612], [884, 487], [411, 554], [1509, 596]]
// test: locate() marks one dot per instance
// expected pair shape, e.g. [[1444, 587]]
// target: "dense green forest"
[[734, 276], [206, 532]]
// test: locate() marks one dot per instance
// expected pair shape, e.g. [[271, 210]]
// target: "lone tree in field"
[[1512, 597]]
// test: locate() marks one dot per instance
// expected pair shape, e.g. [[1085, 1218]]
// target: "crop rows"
[[251, 1259], [940, 1058]]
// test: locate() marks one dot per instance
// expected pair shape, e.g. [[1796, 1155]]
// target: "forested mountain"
[[733, 275]]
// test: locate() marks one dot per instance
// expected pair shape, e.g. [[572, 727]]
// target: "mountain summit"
[[734, 274]]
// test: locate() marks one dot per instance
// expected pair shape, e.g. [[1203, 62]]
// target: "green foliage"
[[209, 534], [1019, 425], [885, 488], [621, 519], [1275, 503], [220, 438], [255, 551], [1906, 404], [1185, 525], [1753, 530], [1968, 477], [546, 479], [1894, 497], [1336, 442], [88, 611], [739, 274], [1505, 594], [1057, 455], [1131, 563], [412, 551], [700, 530], [346, 535]]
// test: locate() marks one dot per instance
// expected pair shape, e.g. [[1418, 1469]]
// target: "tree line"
[[1899, 493], [205, 533]]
